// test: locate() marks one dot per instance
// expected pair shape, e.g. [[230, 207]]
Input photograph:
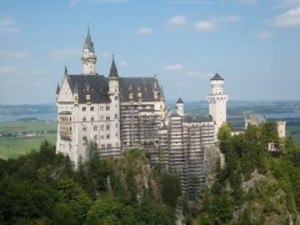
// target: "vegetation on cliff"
[[254, 186], [42, 188]]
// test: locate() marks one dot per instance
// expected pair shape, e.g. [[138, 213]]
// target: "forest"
[[43, 188], [252, 186]]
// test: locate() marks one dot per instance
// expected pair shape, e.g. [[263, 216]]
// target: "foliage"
[[42, 188], [253, 187]]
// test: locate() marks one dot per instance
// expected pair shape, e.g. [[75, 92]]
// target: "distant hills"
[[14, 110], [234, 108]]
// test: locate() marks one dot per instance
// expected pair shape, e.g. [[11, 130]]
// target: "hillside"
[[253, 186], [250, 187], [42, 188]]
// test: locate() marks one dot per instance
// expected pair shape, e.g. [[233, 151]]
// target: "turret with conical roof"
[[88, 42], [113, 74], [89, 57], [113, 78], [57, 91], [217, 101], [180, 107]]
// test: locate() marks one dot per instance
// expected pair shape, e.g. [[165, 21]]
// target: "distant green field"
[[294, 132], [12, 147], [32, 126]]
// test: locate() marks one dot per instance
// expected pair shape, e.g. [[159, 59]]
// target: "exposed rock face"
[[266, 202], [135, 172], [212, 156]]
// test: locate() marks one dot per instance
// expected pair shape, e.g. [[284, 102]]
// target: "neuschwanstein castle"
[[122, 113]]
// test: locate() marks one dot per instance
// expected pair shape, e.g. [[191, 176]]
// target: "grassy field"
[[30, 126], [12, 147]]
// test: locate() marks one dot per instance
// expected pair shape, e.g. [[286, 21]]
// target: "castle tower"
[[180, 107], [89, 57], [114, 94], [217, 101], [281, 128]]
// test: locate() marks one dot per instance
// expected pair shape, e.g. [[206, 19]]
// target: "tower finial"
[[66, 70]]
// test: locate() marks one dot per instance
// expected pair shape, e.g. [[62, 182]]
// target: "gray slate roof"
[[113, 70], [217, 77], [179, 101], [134, 84], [97, 87], [88, 42], [197, 119]]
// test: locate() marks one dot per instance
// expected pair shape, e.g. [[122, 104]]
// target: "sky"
[[253, 44]]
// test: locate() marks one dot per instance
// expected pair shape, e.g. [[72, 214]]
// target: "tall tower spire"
[[217, 101], [113, 69], [89, 57]]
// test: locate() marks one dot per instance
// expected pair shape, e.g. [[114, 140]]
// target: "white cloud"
[[105, 54], [174, 67], [123, 63], [214, 22], [14, 54], [265, 35], [85, 2], [145, 31], [205, 25], [268, 70], [192, 73], [61, 54], [7, 24], [231, 19], [177, 22], [251, 2], [288, 3], [7, 69], [290, 18], [192, 2]]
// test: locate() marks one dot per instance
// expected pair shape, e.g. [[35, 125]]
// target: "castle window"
[[107, 118], [109, 145], [95, 128], [103, 146], [84, 108], [102, 127], [107, 108], [84, 129], [107, 127], [92, 118], [92, 108], [84, 119], [107, 136], [101, 117]]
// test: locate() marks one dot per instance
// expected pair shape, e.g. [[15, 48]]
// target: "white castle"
[[122, 113]]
